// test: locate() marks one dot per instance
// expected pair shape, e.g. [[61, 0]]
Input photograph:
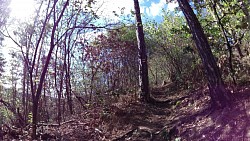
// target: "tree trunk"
[[244, 7], [229, 47], [36, 97], [24, 98], [219, 96], [143, 66]]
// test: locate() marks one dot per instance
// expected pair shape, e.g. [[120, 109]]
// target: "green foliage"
[[233, 17], [177, 103], [172, 54], [30, 116], [4, 115]]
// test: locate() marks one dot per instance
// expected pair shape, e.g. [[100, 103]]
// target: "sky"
[[153, 8], [21, 8], [149, 8]]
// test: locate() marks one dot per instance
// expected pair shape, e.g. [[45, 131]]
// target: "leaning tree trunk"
[[143, 66], [219, 96]]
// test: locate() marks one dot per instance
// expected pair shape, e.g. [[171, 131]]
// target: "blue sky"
[[153, 8]]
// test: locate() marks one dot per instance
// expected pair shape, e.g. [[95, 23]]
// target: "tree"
[[37, 96], [56, 24], [226, 25], [113, 59], [219, 96], [4, 10], [36, 62], [245, 6], [171, 51], [143, 66]]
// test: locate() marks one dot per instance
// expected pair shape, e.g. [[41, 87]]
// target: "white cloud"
[[172, 6], [155, 8]]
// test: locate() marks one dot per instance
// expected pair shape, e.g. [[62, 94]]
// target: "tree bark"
[[67, 65], [143, 66], [245, 10], [219, 96]]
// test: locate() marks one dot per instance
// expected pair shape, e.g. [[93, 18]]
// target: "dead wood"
[[55, 124]]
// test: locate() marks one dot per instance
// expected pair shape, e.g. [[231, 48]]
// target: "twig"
[[128, 134]]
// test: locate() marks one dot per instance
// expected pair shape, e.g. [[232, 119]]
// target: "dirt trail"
[[175, 116], [187, 116]]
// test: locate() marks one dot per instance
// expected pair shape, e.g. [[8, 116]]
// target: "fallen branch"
[[128, 134], [55, 124], [15, 111]]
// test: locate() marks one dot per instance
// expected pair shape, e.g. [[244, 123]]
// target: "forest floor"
[[177, 115]]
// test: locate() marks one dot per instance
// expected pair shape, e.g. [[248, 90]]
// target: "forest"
[[73, 75]]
